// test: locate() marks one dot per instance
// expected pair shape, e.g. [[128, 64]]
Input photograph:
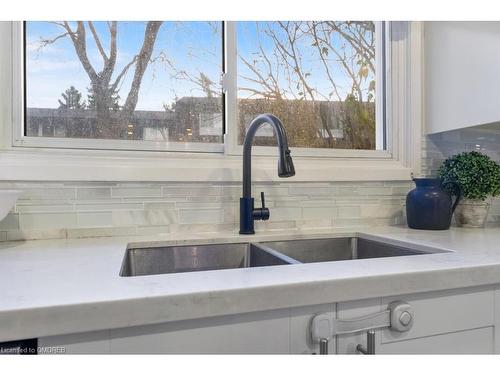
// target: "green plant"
[[476, 174]]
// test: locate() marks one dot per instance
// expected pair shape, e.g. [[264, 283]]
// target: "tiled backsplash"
[[71, 210], [437, 147]]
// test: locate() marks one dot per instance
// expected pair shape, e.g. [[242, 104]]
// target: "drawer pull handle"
[[370, 344], [323, 346]]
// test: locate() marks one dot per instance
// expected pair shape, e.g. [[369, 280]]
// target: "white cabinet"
[[455, 321], [255, 333], [461, 74], [269, 332]]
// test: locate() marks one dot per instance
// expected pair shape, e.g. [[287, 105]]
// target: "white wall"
[[462, 74]]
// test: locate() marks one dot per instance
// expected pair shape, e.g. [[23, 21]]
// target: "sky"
[[190, 46], [251, 34]]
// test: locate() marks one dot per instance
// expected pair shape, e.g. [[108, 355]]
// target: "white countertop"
[[54, 287]]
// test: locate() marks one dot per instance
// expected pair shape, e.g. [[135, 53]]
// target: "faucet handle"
[[263, 212]]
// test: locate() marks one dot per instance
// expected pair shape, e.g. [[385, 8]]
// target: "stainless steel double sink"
[[176, 259]]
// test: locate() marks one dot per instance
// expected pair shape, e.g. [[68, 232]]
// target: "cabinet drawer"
[[253, 333], [443, 312], [475, 341]]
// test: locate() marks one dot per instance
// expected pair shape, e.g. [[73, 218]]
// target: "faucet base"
[[246, 216], [252, 232]]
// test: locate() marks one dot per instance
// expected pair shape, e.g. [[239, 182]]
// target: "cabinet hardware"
[[370, 343], [323, 346], [398, 316]]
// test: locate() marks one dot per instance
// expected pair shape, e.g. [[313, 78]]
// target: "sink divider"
[[275, 253]]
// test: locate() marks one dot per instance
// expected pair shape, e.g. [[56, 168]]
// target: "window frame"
[[230, 86], [22, 140], [403, 114], [229, 97]]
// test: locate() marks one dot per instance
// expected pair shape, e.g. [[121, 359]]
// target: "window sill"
[[87, 165]]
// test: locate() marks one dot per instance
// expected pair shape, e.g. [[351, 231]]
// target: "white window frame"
[[21, 140], [20, 158], [383, 131]]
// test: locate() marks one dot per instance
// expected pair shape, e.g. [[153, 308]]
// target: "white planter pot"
[[472, 213]]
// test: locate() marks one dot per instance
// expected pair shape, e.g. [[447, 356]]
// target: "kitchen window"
[[153, 84], [318, 77], [165, 85], [110, 93]]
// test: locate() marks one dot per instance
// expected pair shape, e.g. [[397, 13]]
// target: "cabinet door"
[[254, 333], [457, 321]]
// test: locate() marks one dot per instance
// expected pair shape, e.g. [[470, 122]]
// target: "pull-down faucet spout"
[[248, 213]]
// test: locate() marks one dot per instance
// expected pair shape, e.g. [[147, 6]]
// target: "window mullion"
[[230, 88], [381, 62]]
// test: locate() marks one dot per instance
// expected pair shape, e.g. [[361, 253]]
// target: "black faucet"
[[248, 213]]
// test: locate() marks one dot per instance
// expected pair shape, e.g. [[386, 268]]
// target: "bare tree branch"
[[202, 81], [112, 48], [358, 44], [255, 92], [79, 42], [292, 53], [97, 41], [110, 63], [46, 42], [122, 74], [262, 80], [342, 59], [143, 59], [325, 64]]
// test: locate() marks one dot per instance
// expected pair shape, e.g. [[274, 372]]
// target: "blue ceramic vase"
[[429, 206]]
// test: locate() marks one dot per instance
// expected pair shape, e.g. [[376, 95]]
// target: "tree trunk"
[[105, 124]]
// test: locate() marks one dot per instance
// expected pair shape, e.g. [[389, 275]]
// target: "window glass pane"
[[148, 81], [318, 77]]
